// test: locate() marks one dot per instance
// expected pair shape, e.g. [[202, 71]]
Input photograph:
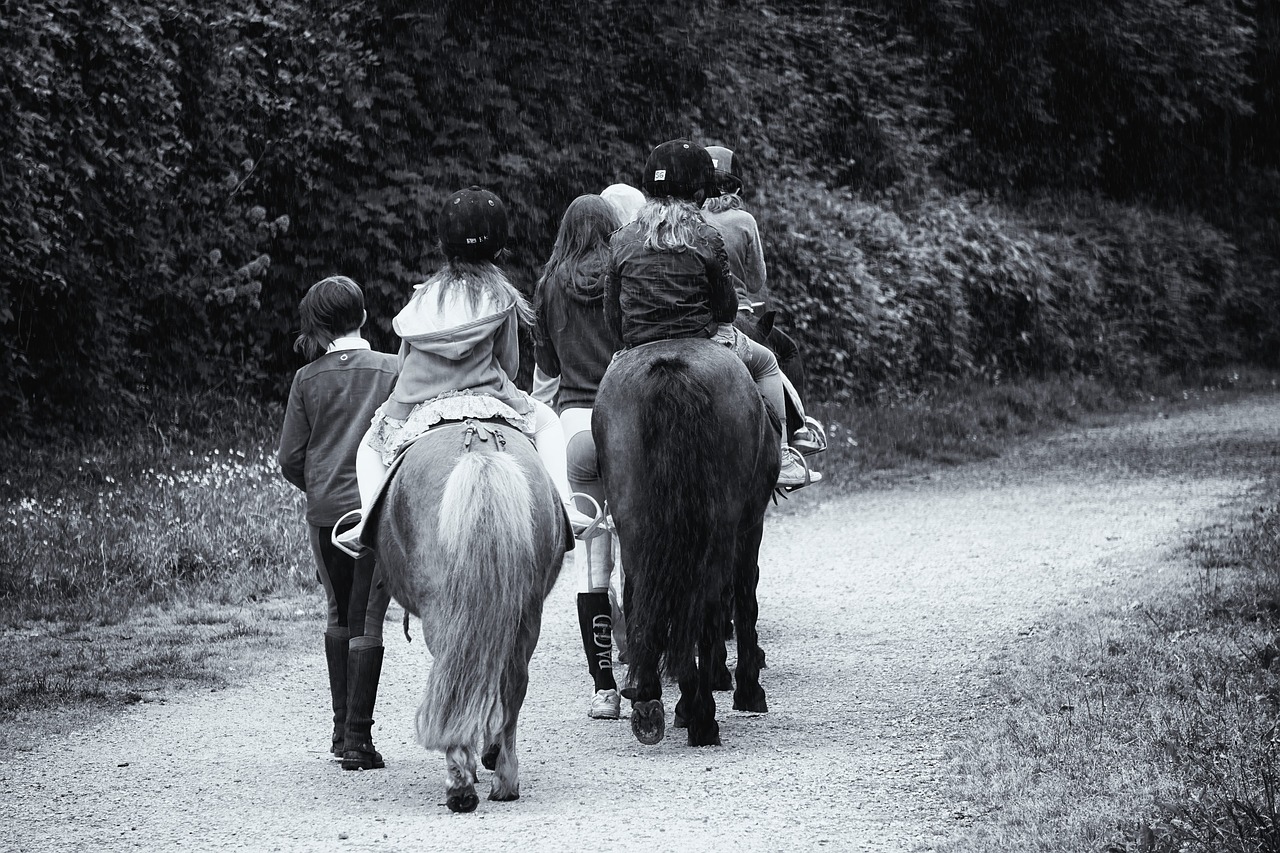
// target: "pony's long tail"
[[487, 548]]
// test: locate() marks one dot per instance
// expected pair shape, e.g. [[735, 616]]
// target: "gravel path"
[[880, 613]]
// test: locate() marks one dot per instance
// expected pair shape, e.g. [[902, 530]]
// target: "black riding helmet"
[[729, 171], [473, 225], [678, 169]]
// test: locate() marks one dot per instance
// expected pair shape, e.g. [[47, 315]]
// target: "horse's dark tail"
[[676, 414], [487, 548]]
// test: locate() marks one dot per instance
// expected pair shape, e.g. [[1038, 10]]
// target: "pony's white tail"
[[487, 549]]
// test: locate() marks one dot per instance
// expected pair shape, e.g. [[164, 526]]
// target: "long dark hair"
[[582, 244]]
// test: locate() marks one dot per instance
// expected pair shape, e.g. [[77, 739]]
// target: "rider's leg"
[[334, 569], [369, 602], [548, 438], [593, 562], [811, 436], [763, 365], [370, 471]]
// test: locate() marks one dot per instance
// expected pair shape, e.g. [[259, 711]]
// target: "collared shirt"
[[352, 342]]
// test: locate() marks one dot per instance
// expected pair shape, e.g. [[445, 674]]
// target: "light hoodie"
[[741, 237], [454, 345]]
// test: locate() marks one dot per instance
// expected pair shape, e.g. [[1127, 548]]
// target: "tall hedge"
[[176, 173]]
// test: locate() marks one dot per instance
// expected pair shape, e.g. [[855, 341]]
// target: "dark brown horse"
[[689, 456]]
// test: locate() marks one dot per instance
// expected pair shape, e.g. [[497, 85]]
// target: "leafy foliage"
[[883, 297], [176, 174]]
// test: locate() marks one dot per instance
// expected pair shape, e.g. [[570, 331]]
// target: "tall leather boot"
[[364, 668], [335, 654], [595, 620]]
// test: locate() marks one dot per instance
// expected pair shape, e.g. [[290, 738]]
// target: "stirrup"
[[808, 473], [599, 525], [360, 548]]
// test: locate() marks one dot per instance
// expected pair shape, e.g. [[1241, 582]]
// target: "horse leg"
[[703, 730], [749, 696], [720, 678], [644, 687], [460, 787], [687, 679], [515, 684]]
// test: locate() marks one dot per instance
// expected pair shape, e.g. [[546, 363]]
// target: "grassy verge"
[[1155, 727], [162, 550]]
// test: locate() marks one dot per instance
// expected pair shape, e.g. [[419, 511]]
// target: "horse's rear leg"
[[460, 787], [749, 695], [695, 685], [506, 766], [644, 687]]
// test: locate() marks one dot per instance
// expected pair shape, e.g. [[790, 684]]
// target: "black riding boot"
[[595, 619], [364, 667], [335, 654]]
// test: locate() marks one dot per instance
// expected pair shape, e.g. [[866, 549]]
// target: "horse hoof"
[[490, 757], [648, 721], [464, 801], [504, 796], [708, 735], [754, 704], [722, 680]]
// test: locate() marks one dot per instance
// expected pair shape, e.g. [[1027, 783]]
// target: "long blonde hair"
[[669, 224], [475, 279]]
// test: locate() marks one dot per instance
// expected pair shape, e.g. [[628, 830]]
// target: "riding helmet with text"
[[473, 225], [679, 169]]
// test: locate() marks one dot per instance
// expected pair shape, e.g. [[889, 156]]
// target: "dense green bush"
[[177, 173], [136, 139], [1120, 95], [883, 297]]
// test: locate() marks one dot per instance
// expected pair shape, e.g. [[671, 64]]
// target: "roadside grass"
[[1154, 727], [161, 542], [57, 674]]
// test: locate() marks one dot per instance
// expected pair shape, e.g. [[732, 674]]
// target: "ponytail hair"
[[725, 201]]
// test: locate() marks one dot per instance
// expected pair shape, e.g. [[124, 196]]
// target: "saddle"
[[489, 430]]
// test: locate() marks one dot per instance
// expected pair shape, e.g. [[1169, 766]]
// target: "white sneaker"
[[810, 438], [605, 705], [795, 472]]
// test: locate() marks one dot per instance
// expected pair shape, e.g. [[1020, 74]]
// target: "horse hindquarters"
[[487, 558]]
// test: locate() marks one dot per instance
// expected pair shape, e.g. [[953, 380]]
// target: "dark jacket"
[[574, 341], [330, 405], [654, 296]]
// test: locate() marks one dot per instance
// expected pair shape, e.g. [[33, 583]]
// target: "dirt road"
[[880, 613]]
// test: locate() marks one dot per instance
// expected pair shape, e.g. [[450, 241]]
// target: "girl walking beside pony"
[[330, 404]]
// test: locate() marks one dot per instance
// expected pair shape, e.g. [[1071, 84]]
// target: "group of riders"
[[682, 259]]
